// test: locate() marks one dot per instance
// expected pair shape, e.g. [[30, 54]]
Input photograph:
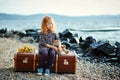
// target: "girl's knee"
[[44, 52], [52, 52]]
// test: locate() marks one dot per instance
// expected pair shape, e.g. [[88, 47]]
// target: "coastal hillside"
[[4, 16]]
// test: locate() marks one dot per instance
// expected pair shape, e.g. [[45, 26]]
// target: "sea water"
[[105, 30]]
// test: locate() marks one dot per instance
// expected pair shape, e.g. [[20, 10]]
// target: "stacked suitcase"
[[65, 63]]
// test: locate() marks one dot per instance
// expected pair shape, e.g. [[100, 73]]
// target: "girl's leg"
[[43, 60], [51, 58], [44, 54]]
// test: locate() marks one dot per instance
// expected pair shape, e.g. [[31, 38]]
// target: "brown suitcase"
[[66, 63], [24, 62], [28, 62]]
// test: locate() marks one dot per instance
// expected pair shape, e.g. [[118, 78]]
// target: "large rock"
[[74, 40], [19, 33], [85, 44], [105, 49], [33, 33], [117, 49], [66, 33], [3, 30]]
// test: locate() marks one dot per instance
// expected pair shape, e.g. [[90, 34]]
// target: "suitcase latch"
[[25, 60], [65, 62]]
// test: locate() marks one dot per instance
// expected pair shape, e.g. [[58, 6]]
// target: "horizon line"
[[58, 14]]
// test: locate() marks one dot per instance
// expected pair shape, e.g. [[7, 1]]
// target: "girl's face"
[[49, 25]]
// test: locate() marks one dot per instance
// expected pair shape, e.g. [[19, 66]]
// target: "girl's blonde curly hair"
[[44, 28]]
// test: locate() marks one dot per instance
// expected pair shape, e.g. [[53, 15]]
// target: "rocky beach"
[[86, 70]]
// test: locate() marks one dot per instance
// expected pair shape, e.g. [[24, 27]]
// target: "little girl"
[[46, 49]]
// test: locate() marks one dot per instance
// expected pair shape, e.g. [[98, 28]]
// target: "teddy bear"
[[58, 43]]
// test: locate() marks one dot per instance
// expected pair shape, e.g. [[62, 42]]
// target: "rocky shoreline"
[[86, 70]]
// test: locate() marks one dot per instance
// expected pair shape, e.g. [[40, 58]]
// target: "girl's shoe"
[[47, 72], [40, 71]]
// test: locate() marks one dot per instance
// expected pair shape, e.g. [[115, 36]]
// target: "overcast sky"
[[63, 7]]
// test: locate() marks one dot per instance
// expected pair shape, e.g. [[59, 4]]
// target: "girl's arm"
[[51, 46]]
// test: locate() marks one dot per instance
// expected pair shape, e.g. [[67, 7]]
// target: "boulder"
[[3, 30], [74, 40], [105, 49], [66, 33]]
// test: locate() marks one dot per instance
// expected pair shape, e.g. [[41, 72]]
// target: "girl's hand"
[[55, 48], [59, 49]]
